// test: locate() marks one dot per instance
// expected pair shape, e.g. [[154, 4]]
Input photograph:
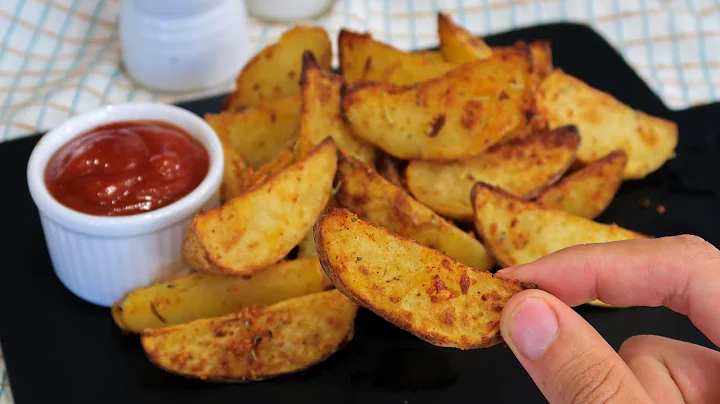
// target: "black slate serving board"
[[60, 349]]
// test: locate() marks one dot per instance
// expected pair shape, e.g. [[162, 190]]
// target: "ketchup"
[[126, 168]]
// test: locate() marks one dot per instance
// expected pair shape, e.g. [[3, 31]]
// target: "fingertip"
[[529, 323]]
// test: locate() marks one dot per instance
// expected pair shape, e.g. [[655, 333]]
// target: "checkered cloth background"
[[59, 58]]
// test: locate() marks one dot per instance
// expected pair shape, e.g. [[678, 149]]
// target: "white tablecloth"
[[62, 57]]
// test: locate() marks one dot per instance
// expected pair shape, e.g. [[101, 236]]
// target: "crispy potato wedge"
[[364, 59], [372, 198], [588, 191], [606, 124], [523, 167], [418, 289], [259, 133], [457, 115], [518, 231], [261, 226], [235, 172], [321, 115], [457, 44], [255, 343], [274, 72], [197, 295]]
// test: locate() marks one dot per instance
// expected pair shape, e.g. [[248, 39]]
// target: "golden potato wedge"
[[457, 44], [364, 59], [588, 191], [523, 167], [418, 289], [261, 226], [516, 231], [235, 172], [457, 115], [197, 295], [606, 124], [259, 133], [255, 343], [274, 72], [321, 115], [372, 198]]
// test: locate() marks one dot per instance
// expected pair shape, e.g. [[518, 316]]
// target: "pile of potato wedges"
[[396, 184]]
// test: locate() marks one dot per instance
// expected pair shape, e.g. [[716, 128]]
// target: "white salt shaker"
[[184, 45]]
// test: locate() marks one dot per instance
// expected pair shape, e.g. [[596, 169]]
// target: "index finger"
[[681, 273]]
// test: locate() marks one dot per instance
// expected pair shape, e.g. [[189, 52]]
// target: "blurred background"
[[59, 58]]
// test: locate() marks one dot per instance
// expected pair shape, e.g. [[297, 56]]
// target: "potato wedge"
[[541, 54], [235, 172], [197, 295], [457, 44], [372, 198], [460, 114], [259, 133], [261, 226], [321, 115], [364, 59], [418, 289], [255, 343], [606, 124], [523, 167], [516, 231], [274, 72], [588, 191]]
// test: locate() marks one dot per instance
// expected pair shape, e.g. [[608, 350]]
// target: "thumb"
[[568, 360]]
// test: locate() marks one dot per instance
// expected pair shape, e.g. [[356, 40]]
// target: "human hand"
[[571, 363]]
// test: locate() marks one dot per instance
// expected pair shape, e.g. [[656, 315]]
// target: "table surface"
[[59, 58]]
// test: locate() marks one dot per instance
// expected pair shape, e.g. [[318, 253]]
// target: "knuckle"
[[698, 247], [589, 379]]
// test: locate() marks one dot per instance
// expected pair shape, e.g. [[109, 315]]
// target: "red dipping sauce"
[[126, 168]]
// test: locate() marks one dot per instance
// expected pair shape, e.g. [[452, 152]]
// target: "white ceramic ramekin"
[[101, 258]]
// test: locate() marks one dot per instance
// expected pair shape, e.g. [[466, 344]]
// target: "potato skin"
[[274, 72], [518, 232], [523, 167], [418, 289], [457, 115], [198, 295], [606, 124], [261, 226], [588, 191], [255, 343], [372, 198]]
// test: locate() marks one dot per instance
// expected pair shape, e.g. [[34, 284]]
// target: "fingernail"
[[508, 270], [534, 328]]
